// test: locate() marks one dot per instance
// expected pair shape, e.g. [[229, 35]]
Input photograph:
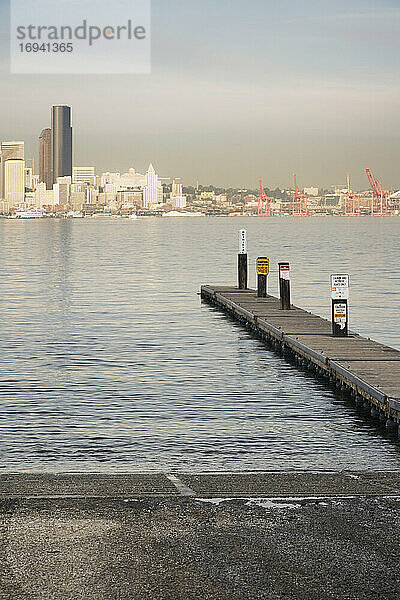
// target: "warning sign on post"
[[262, 265], [340, 287], [340, 314], [284, 271]]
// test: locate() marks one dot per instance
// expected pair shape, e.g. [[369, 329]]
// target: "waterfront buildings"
[[61, 141], [43, 197], [152, 191], [29, 180], [83, 175], [62, 190], [61, 186], [9, 151], [14, 181], [45, 158], [177, 199]]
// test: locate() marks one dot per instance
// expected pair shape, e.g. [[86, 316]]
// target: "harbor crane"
[[264, 203], [299, 202], [380, 197], [352, 201]]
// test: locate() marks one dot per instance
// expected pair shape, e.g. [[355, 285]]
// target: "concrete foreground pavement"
[[311, 536]]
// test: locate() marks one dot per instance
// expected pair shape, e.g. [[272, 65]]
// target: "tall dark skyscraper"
[[61, 141], [45, 158]]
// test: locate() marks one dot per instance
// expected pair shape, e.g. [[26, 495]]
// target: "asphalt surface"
[[277, 546]]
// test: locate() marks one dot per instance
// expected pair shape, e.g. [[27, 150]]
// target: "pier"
[[367, 370]]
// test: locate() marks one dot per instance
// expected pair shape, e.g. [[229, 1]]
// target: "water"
[[109, 361]]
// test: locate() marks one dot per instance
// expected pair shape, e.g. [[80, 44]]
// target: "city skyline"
[[256, 92]]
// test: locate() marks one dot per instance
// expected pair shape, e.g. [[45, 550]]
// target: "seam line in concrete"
[[183, 489]]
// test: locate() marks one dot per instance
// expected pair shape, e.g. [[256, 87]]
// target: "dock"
[[367, 370]]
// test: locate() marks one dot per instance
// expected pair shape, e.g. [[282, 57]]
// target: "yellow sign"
[[262, 265]]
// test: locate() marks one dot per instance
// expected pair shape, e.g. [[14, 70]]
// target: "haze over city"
[[237, 92]]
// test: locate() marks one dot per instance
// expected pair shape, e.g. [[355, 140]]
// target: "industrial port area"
[[61, 188], [116, 195]]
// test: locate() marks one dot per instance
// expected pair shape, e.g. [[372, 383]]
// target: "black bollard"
[[262, 267], [284, 285], [340, 308], [242, 260]]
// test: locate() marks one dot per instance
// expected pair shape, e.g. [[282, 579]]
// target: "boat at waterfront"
[[75, 214], [28, 214], [175, 213]]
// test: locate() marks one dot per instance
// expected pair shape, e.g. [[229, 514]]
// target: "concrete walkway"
[[207, 536]]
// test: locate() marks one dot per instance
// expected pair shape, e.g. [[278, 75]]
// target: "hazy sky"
[[240, 89]]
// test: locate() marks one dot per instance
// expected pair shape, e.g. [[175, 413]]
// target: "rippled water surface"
[[109, 361]]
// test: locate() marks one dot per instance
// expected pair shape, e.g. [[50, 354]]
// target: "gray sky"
[[240, 89]]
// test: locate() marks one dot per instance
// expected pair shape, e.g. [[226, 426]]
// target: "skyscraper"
[[61, 131], [177, 199], [83, 175], [45, 160], [9, 151], [152, 191], [14, 181]]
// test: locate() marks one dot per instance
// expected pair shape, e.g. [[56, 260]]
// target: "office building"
[[83, 175], [14, 181], [61, 141], [9, 151], [177, 199], [62, 189], [29, 178], [45, 158], [152, 191], [44, 197]]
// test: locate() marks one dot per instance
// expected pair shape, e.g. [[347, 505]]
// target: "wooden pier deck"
[[370, 371]]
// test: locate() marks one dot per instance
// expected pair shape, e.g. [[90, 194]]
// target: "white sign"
[[340, 314], [339, 287], [242, 241], [284, 271]]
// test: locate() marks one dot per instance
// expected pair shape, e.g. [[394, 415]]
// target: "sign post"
[[284, 284], [340, 308], [262, 268], [242, 260]]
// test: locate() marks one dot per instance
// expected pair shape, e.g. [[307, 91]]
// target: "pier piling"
[[262, 268], [340, 309], [284, 285], [242, 260]]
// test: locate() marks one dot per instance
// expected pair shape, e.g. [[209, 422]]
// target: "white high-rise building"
[[43, 197], [14, 181], [177, 199], [92, 195], [83, 175], [62, 190], [9, 151], [152, 191]]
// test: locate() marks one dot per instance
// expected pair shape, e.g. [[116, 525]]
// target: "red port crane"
[[379, 206], [299, 202], [264, 203], [352, 202]]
